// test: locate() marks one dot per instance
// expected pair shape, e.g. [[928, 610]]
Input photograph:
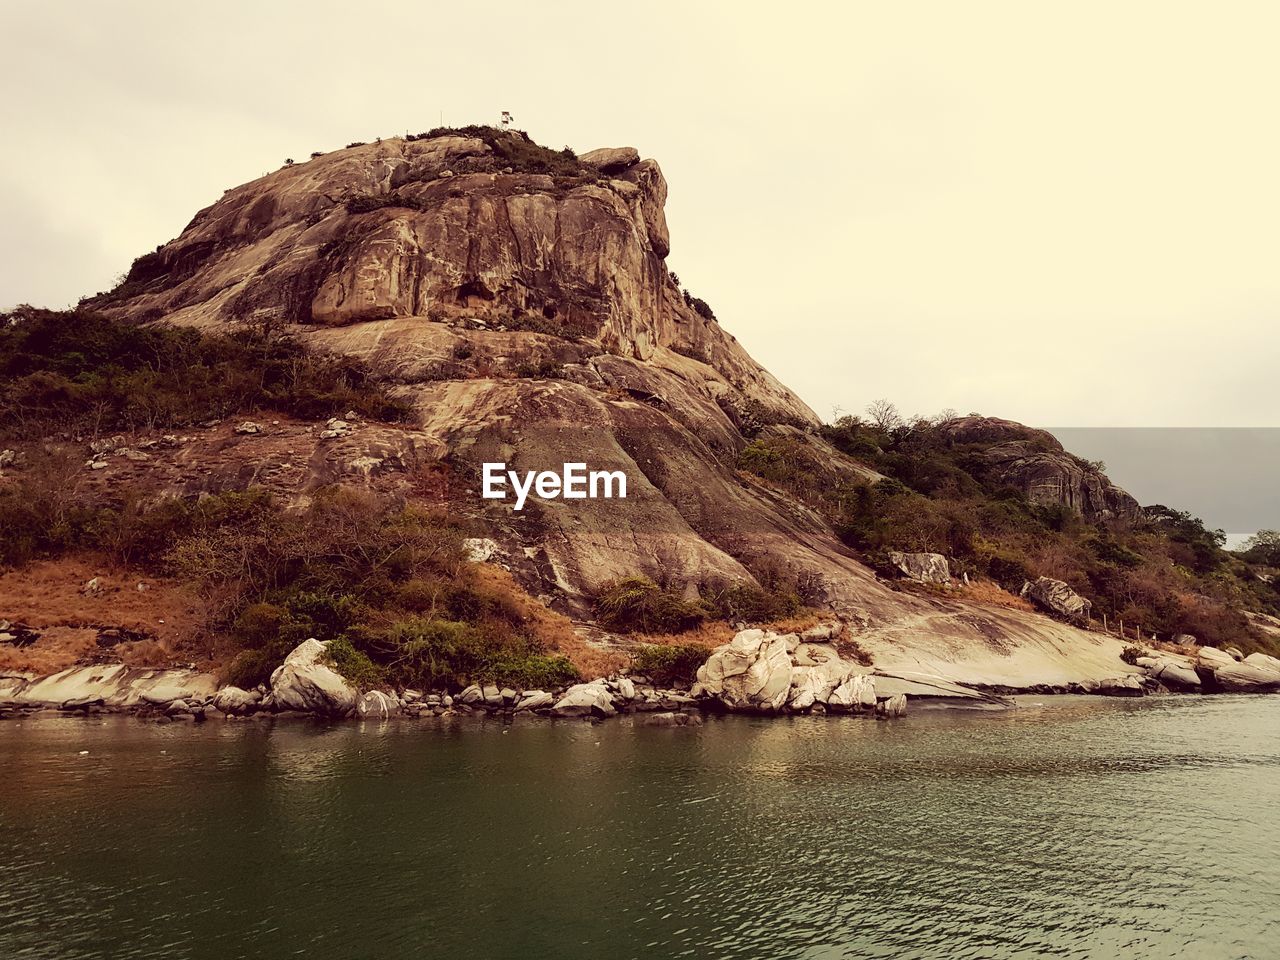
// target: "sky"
[[1064, 214]]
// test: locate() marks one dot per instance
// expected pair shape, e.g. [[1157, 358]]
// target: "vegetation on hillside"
[[84, 374], [387, 583], [515, 149], [1164, 572], [638, 605]]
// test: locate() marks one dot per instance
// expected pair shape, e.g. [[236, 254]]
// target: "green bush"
[[638, 604], [354, 664], [249, 668], [749, 604], [667, 665], [81, 372], [435, 653]]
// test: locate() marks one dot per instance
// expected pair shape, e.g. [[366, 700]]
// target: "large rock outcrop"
[[1034, 462], [305, 682], [525, 308], [1059, 599]]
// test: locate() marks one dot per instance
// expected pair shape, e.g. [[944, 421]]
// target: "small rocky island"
[[248, 481]]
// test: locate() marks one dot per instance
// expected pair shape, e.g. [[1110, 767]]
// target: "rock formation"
[[521, 301], [922, 567], [1034, 462], [1058, 598], [305, 682]]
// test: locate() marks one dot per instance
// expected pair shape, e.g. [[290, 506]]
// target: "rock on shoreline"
[[757, 672]]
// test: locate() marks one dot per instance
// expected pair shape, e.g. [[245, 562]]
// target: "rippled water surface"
[[1068, 828]]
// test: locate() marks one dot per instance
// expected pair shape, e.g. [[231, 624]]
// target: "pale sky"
[[1065, 214]]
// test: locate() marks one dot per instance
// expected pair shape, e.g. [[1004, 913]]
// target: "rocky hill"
[[518, 302]]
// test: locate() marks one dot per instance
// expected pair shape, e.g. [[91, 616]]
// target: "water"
[[1074, 828]]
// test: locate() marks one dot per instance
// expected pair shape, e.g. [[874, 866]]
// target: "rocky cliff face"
[[1034, 462], [522, 303]]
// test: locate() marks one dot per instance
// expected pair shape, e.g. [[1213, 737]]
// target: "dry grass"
[[48, 597], [993, 595], [554, 630], [715, 633], [709, 635]]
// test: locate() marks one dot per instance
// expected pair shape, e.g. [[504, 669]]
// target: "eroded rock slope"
[[530, 318]]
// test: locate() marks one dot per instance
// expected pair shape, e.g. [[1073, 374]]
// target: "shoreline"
[[758, 673]]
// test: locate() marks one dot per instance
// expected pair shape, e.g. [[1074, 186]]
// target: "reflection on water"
[[1071, 827]]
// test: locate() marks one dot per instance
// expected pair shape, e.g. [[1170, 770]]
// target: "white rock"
[[535, 700], [248, 426], [236, 701], [895, 706], [304, 682], [480, 549], [751, 671], [376, 705], [814, 683], [165, 694], [922, 567], [625, 688], [856, 692], [473, 694], [585, 699]]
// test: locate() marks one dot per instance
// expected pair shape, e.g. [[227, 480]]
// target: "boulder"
[[248, 427], [480, 549], [376, 705], [235, 701], [492, 695], [611, 159], [304, 682], [895, 706], [813, 683], [535, 700], [471, 695], [625, 688], [1058, 598], [1213, 658], [1246, 677], [1234, 653], [922, 567], [857, 692], [585, 700], [1127, 686], [1174, 674], [752, 671], [80, 704], [1263, 661], [165, 694]]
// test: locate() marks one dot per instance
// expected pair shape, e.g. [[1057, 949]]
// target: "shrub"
[[448, 653], [354, 664], [667, 665], [364, 203], [749, 604], [81, 372], [638, 604], [250, 668]]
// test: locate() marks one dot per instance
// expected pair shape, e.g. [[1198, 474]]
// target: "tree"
[[885, 415], [1263, 548]]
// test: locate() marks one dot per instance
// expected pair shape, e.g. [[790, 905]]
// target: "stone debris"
[[922, 567], [1058, 598]]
